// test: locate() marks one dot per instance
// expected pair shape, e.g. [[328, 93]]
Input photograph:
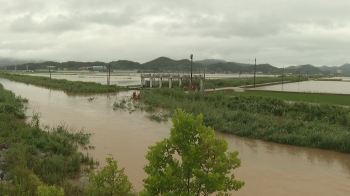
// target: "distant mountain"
[[294, 67], [165, 64], [224, 67], [344, 68], [244, 68], [304, 69], [125, 65], [266, 68], [210, 61], [9, 62], [73, 65]]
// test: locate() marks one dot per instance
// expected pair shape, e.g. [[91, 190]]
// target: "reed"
[[322, 98], [235, 82], [270, 119], [35, 156]]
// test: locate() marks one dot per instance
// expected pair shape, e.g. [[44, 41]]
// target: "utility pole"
[[109, 74], [282, 74], [191, 71], [204, 79], [50, 71], [254, 72], [299, 75]]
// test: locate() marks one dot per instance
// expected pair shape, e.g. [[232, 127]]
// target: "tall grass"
[[304, 97], [269, 119], [235, 82], [36, 156]]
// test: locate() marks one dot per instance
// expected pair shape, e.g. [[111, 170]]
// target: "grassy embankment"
[[62, 84], [218, 83], [329, 79], [270, 119], [232, 82], [31, 157], [299, 97]]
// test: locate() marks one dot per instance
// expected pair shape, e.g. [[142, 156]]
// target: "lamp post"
[[191, 70]]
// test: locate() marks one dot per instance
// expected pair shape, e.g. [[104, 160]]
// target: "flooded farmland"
[[332, 87], [267, 168]]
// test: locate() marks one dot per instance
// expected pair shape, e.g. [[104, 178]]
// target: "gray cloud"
[[279, 32]]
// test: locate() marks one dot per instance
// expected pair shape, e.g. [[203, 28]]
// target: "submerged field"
[[257, 115], [299, 97], [62, 84], [218, 83], [270, 119]]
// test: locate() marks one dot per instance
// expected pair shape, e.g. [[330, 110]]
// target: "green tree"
[[49, 191], [110, 181], [191, 162]]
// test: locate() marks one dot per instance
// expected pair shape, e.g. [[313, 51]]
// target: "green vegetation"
[[110, 181], [329, 79], [218, 83], [62, 84], [33, 157], [270, 119], [49, 191], [164, 64], [233, 82], [191, 162], [41, 161], [299, 97]]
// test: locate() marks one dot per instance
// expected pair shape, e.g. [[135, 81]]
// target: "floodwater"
[[124, 78], [267, 168], [333, 87]]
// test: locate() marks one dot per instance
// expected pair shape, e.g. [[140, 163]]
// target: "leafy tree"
[[191, 162], [49, 191], [110, 181]]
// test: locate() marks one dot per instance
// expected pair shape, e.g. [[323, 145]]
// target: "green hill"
[[125, 65], [344, 68], [304, 69], [165, 64], [210, 61]]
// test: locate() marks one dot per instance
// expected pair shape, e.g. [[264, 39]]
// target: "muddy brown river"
[[267, 168]]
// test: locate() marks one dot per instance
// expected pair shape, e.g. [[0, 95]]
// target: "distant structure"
[[339, 71], [148, 80], [95, 68]]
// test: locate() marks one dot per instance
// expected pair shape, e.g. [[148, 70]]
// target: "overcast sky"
[[279, 32]]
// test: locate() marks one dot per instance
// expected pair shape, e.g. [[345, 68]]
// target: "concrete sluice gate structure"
[[148, 80]]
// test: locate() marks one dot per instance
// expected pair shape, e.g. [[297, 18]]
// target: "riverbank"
[[126, 137], [270, 119], [32, 157]]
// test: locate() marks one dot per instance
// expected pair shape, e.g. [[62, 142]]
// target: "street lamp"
[[191, 70]]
